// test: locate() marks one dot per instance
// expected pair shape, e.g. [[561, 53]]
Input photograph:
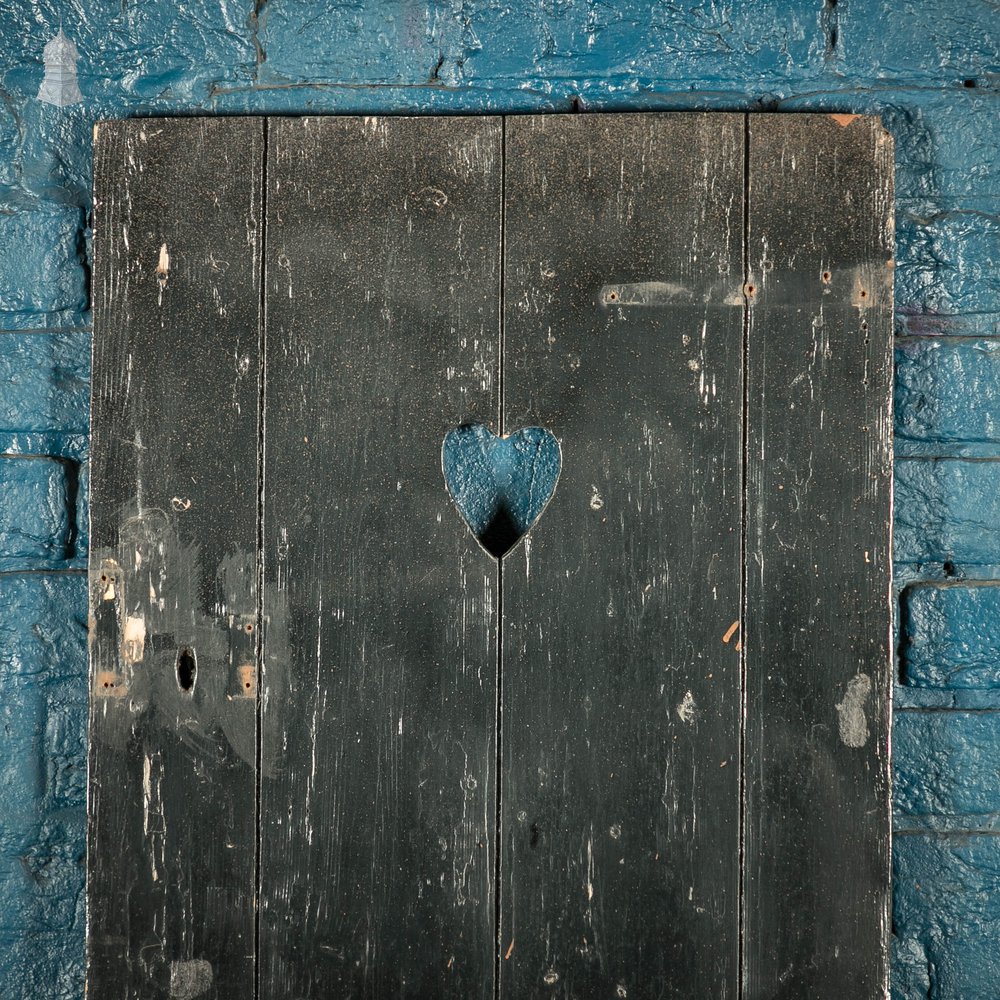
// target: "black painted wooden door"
[[340, 750]]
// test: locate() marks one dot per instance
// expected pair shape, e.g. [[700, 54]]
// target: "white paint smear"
[[190, 980], [851, 719], [643, 293]]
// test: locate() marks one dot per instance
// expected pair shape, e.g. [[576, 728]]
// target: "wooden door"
[[338, 747]]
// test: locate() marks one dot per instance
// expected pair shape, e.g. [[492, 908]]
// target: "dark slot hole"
[[501, 534], [187, 668], [969, 83], [949, 569]]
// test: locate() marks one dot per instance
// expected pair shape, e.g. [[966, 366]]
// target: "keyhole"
[[187, 668]]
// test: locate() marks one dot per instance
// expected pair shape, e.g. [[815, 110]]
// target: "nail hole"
[[750, 290], [864, 294], [612, 296], [187, 668], [826, 277], [248, 627]]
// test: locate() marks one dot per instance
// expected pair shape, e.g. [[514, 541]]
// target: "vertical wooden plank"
[[818, 516], [174, 528], [620, 675], [378, 775]]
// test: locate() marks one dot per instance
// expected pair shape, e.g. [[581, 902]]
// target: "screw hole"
[[612, 296], [864, 294], [248, 627], [826, 277], [187, 669]]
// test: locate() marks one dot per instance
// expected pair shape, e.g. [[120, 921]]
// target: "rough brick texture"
[[947, 897], [948, 396], [43, 708], [948, 511], [928, 68], [950, 637], [946, 773], [37, 512]]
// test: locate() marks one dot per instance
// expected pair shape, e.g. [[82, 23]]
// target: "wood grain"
[[378, 729], [621, 698], [818, 561], [679, 677], [173, 568]]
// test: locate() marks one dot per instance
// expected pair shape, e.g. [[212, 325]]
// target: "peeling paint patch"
[[851, 719], [844, 120], [134, 640]]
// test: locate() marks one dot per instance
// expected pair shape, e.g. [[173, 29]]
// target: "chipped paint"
[[133, 639], [687, 708]]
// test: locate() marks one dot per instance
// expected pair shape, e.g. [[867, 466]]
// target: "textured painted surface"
[[948, 396], [946, 891], [43, 714], [35, 509], [948, 511], [950, 637], [930, 69], [946, 770]]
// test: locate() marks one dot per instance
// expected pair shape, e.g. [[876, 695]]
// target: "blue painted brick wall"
[[929, 67]]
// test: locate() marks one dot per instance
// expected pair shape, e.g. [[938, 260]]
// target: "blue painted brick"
[[41, 262], [947, 510], [941, 44], [946, 917], [946, 767], [35, 523], [44, 383], [947, 393], [143, 52], [946, 267], [43, 697], [951, 636]]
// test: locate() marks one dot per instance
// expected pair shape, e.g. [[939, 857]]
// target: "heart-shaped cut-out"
[[500, 484]]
